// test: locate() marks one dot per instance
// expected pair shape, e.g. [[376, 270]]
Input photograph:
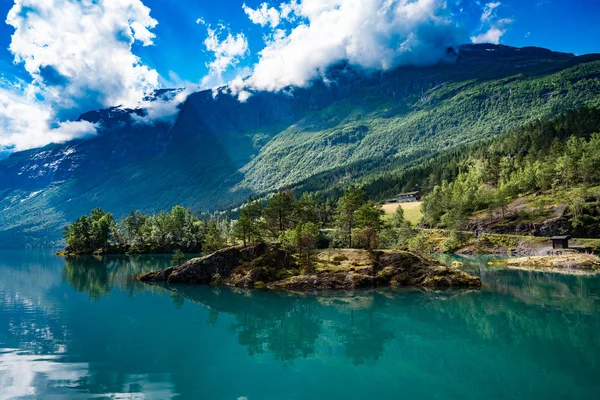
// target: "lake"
[[88, 329]]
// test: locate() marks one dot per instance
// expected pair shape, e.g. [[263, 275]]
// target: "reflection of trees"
[[544, 316], [292, 335], [538, 315], [88, 274], [364, 336], [98, 275], [284, 325], [288, 325]]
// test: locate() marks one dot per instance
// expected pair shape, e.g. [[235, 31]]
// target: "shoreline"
[[353, 268], [267, 266], [434, 240]]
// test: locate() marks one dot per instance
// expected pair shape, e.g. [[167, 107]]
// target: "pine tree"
[[279, 212], [347, 207]]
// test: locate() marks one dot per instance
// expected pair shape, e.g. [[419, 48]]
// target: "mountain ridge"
[[218, 150]]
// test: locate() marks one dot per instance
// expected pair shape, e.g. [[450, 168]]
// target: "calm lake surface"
[[87, 329]]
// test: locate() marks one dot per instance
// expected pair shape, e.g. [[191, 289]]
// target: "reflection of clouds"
[[35, 324], [23, 375], [143, 386], [27, 286]]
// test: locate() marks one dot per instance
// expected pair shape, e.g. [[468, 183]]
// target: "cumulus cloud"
[[492, 28], [79, 56], [164, 107], [489, 11], [25, 122], [227, 53], [373, 34], [265, 15]]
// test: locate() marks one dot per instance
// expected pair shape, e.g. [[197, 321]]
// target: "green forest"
[[300, 224], [555, 160]]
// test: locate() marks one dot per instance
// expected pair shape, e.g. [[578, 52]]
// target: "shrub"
[[453, 243], [340, 257]]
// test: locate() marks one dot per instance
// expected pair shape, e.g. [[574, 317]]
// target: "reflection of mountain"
[[205, 342]]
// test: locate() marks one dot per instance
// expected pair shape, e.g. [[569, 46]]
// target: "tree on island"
[[247, 227], [213, 240], [347, 207], [178, 257], [279, 212], [369, 224], [301, 240], [90, 233]]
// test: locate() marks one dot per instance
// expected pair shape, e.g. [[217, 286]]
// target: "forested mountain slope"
[[352, 126]]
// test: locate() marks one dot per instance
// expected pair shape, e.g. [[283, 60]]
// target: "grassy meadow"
[[412, 211]]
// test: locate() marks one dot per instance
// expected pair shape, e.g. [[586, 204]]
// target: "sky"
[[60, 58]]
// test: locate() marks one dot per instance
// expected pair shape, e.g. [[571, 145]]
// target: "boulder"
[[212, 267]]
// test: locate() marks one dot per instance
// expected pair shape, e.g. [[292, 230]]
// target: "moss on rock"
[[268, 266]]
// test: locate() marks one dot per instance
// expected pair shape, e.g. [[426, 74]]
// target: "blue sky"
[[569, 26], [59, 58]]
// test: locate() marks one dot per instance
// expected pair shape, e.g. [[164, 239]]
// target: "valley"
[[370, 129]]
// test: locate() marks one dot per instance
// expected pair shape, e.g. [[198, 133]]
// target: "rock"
[[327, 281], [408, 269], [570, 261], [268, 266], [220, 265]]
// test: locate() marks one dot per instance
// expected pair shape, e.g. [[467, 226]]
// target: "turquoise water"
[[88, 329]]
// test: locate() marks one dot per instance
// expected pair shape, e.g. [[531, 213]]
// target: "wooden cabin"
[[405, 198], [560, 242]]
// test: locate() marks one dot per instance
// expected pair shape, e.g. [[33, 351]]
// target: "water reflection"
[[86, 328], [98, 275], [23, 374]]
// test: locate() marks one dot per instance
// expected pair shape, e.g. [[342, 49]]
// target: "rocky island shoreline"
[[268, 266]]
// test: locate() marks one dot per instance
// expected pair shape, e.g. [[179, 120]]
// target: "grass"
[[491, 243], [412, 211]]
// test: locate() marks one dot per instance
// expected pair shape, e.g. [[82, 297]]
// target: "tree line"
[[299, 224], [559, 155]]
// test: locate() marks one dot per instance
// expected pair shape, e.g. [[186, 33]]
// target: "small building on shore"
[[560, 242], [404, 198]]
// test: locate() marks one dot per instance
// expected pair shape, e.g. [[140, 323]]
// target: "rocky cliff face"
[[268, 266]]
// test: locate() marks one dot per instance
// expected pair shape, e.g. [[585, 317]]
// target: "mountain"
[[350, 126]]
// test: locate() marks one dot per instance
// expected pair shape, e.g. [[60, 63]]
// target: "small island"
[[269, 266]]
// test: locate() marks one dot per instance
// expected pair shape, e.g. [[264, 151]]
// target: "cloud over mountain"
[[227, 52], [79, 57], [373, 34], [492, 27]]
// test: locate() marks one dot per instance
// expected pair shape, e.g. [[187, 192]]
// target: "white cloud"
[[489, 11], [265, 15], [374, 34], [26, 122], [227, 54], [165, 107], [74, 48], [492, 28], [79, 55]]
